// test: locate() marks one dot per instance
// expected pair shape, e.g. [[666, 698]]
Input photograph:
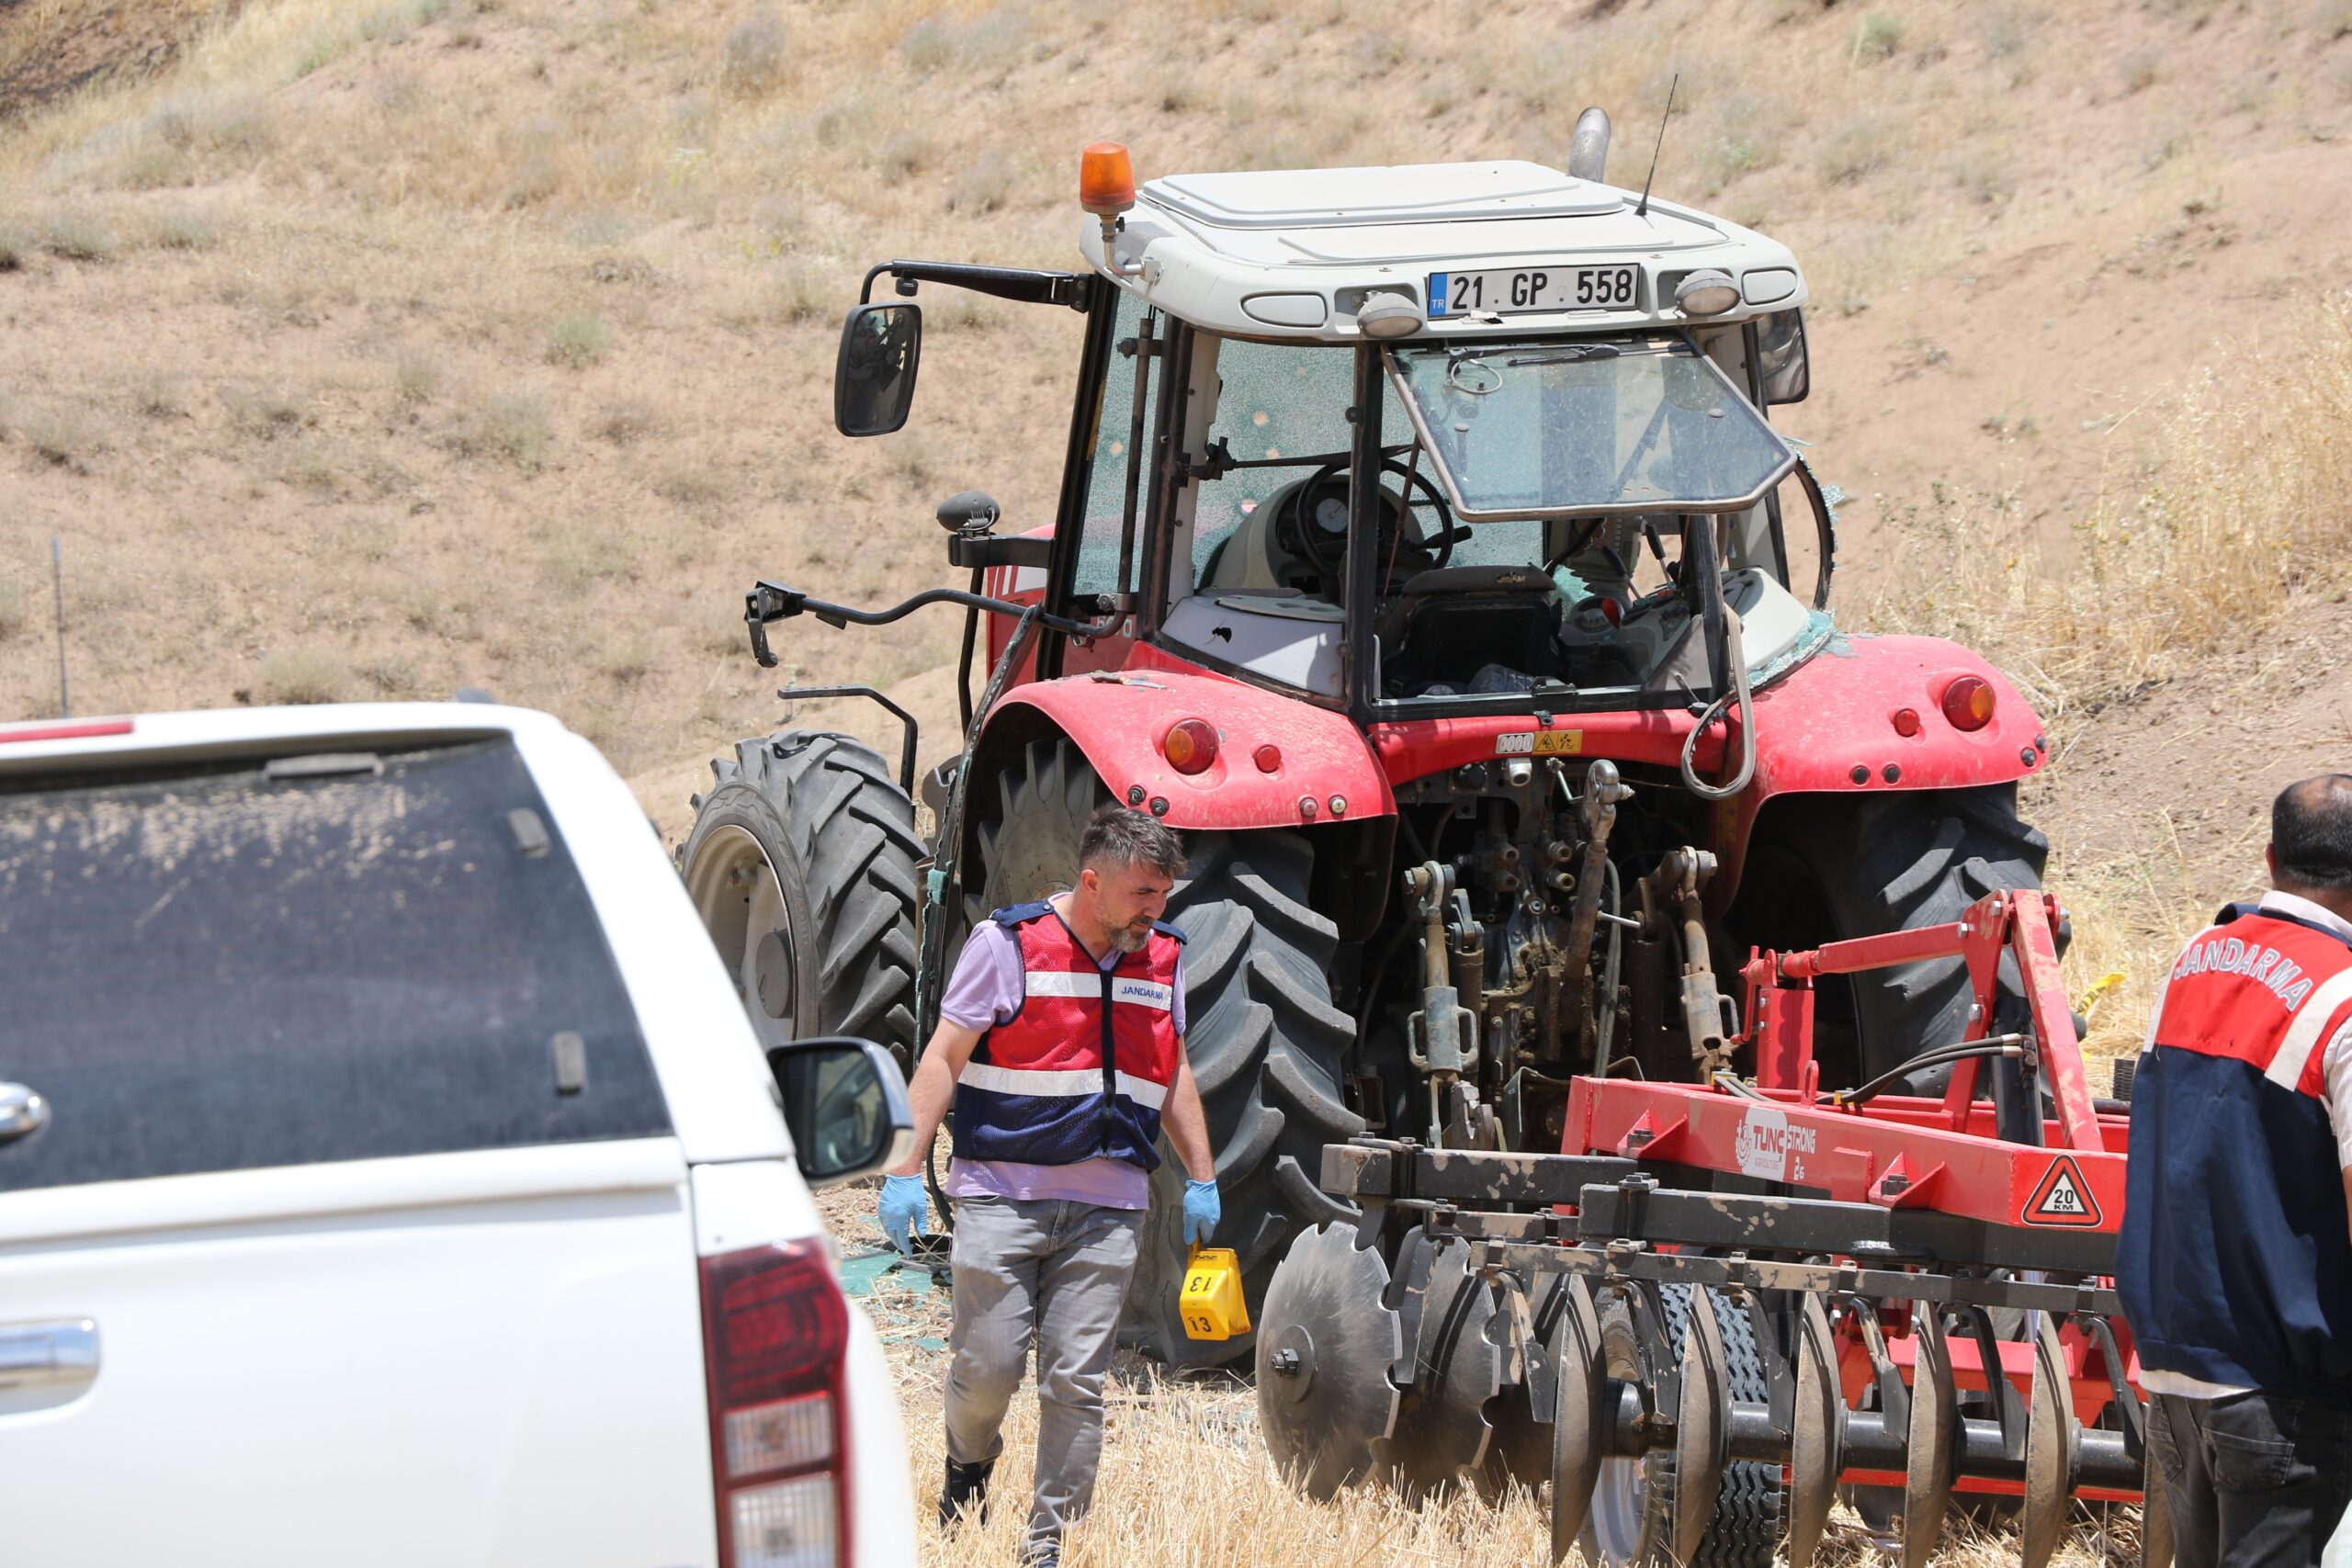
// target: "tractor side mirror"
[[1780, 354], [846, 1104], [874, 380]]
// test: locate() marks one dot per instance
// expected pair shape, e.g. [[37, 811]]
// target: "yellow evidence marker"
[[1212, 1306]]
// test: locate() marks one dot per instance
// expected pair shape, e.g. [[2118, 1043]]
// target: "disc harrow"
[[1918, 1287]]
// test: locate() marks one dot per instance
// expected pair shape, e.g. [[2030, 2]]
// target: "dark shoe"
[[1042, 1553], [967, 1492]]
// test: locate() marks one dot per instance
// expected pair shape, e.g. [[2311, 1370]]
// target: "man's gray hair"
[[1120, 835]]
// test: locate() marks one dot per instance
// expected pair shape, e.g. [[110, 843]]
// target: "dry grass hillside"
[[360, 351]]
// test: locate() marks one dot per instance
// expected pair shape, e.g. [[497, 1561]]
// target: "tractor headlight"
[[1706, 292], [1384, 314]]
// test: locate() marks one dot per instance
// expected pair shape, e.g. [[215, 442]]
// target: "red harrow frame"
[[1885, 1248]]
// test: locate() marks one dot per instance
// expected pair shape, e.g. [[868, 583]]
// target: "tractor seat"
[[1473, 628], [1513, 583]]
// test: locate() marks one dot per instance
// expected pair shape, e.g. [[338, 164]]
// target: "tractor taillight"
[[1190, 746], [1106, 179], [1968, 701], [775, 1343], [1269, 758], [1906, 722]]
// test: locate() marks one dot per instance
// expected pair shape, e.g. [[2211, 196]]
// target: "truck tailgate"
[[482, 1357]]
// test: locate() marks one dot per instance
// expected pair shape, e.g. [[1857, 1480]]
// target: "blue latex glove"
[[904, 1207], [1202, 1211]]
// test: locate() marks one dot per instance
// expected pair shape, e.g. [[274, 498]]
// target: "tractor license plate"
[[1534, 288]]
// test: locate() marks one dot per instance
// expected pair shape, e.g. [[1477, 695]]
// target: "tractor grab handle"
[[778, 601]]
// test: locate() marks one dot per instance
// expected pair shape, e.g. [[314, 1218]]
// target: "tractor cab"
[[1424, 440]]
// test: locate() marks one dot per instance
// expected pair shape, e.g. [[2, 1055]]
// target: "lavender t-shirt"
[[986, 990]]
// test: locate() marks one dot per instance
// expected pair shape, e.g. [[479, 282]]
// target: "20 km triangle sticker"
[[2063, 1199]]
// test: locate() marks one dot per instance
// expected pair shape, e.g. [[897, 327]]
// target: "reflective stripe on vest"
[[1083, 1068]]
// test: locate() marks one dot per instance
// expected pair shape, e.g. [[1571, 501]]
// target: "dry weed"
[[582, 555], [578, 339], [304, 675], [65, 434], [513, 424], [183, 229], [161, 394], [628, 421], [1877, 37], [267, 411], [415, 378], [756, 53], [81, 236]]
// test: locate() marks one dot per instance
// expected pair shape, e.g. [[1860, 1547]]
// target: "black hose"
[[1994, 1045]]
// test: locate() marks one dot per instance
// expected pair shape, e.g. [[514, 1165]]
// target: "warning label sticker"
[[1540, 743], [2063, 1197]]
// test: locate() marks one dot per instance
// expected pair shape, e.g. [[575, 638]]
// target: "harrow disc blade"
[[1701, 1430], [1581, 1385], [2053, 1438], [1816, 1447], [1443, 1431], [1933, 1439], [1326, 1340], [1521, 1451]]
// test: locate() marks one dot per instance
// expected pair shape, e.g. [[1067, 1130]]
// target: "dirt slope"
[[2177, 780], [372, 351]]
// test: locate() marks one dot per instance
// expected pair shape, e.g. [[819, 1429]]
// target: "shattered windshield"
[[1552, 429]]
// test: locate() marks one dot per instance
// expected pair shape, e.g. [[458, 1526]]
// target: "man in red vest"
[[1061, 1048], [2236, 1258]]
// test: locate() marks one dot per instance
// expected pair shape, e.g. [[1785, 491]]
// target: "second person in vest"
[[2234, 1261], [1061, 1049]]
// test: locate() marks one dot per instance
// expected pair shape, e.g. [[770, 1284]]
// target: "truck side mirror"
[[845, 1105], [1780, 354], [874, 380]]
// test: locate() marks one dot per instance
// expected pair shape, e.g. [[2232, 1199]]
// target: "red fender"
[[1828, 727], [1325, 771], [1834, 715]]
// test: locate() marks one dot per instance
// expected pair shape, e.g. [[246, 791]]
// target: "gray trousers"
[[1054, 1272], [2254, 1480]]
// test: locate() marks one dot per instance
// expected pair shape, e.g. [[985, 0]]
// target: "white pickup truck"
[[388, 1174]]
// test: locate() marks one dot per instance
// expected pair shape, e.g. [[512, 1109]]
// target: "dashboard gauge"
[[1331, 514]]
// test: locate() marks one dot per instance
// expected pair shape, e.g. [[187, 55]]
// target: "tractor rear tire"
[[1827, 868], [801, 864], [1264, 1040]]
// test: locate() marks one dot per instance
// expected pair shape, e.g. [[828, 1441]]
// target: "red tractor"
[[1425, 553]]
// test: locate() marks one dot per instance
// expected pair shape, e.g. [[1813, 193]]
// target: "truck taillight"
[[775, 1343]]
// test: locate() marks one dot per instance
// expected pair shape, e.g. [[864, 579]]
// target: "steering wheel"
[[1323, 549]]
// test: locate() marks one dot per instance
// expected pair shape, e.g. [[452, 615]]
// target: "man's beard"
[[1130, 939]]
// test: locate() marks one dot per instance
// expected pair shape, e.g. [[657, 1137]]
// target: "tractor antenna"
[[57, 576], [1642, 209]]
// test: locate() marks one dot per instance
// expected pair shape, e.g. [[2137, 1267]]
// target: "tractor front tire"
[[801, 864], [1827, 868], [1264, 1040]]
